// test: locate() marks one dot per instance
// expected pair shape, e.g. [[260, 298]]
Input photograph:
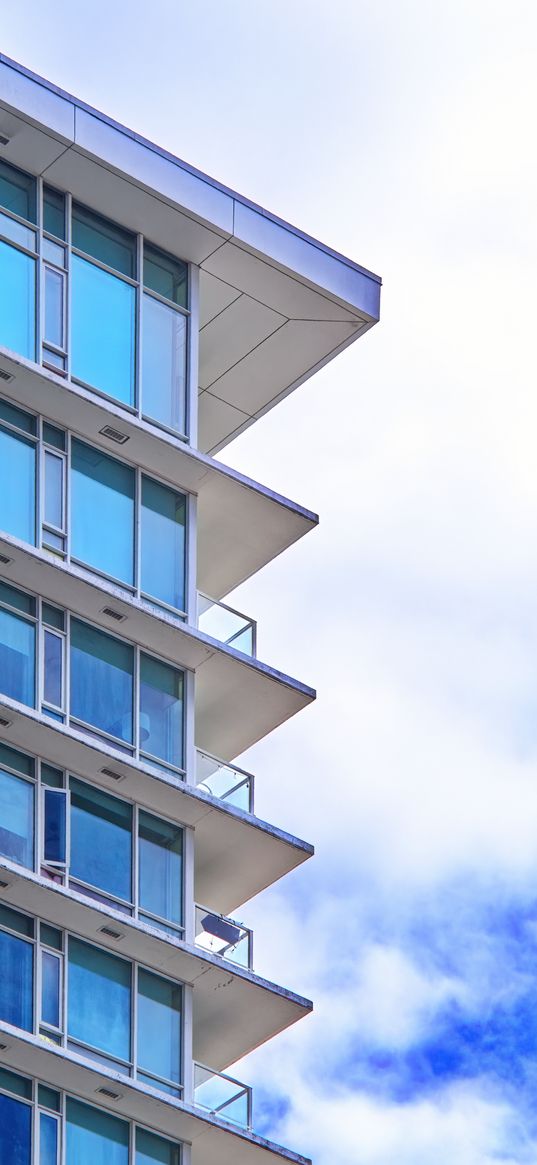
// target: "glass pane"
[[17, 485], [16, 981], [53, 436], [54, 284], [51, 776], [164, 364], [53, 358], [102, 512], [94, 1137], [18, 417], [17, 658], [54, 490], [12, 1082], [16, 760], [54, 844], [53, 253], [17, 301], [104, 240], [160, 850], [165, 275], [163, 543], [102, 330], [12, 597], [15, 921], [159, 1027], [52, 687], [54, 212], [48, 1097], [48, 1139], [99, 995], [50, 936], [101, 680], [151, 1149], [17, 191], [15, 1132], [161, 710], [101, 840], [16, 819], [53, 616], [11, 229], [50, 989]]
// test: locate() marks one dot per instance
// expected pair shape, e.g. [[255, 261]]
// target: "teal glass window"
[[154, 1150], [102, 671], [163, 525], [102, 512], [104, 241], [16, 760], [12, 597], [166, 275], [17, 301], [161, 711], [101, 840], [48, 1097], [18, 417], [48, 1139], [18, 192], [15, 1132], [16, 980], [159, 1030], [160, 855], [164, 364], [102, 330], [50, 989], [17, 485], [99, 1000], [16, 819], [17, 657], [54, 212], [95, 1137]]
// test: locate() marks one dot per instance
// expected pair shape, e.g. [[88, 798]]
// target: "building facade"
[[147, 316]]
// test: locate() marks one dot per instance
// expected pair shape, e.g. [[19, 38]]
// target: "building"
[[147, 316]]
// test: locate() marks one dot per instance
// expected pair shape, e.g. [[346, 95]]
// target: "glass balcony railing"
[[224, 937], [230, 784], [226, 624], [223, 1096]]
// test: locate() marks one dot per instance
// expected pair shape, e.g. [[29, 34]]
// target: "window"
[[160, 856], [15, 1131], [95, 1137], [17, 300], [163, 528], [101, 840], [164, 339], [153, 1150], [16, 819], [161, 710], [159, 1032], [18, 192], [102, 677], [17, 484], [16, 960], [102, 508], [54, 212], [17, 646], [99, 1000]]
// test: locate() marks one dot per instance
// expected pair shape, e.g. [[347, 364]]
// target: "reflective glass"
[[164, 364], [18, 417], [17, 485], [53, 358], [48, 1139], [153, 1150], [17, 191], [102, 512], [53, 253], [16, 819], [52, 685], [50, 936], [17, 760], [163, 543], [53, 616], [16, 981], [165, 275], [102, 330], [48, 1097], [160, 850], [159, 1027], [95, 1137], [161, 710], [99, 999], [18, 599], [50, 989], [104, 240], [17, 301], [12, 1082], [54, 489], [55, 826], [54, 291], [17, 658], [13, 920], [15, 1132], [11, 229], [101, 840], [53, 436], [54, 212], [101, 680]]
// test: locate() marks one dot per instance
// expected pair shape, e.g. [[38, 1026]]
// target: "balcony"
[[227, 782], [227, 625], [223, 937], [223, 1096]]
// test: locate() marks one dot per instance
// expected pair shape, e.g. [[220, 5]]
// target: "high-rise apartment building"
[[147, 316]]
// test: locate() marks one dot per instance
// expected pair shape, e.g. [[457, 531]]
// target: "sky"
[[402, 133]]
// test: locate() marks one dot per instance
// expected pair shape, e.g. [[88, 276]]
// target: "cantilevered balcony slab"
[[241, 525], [234, 1010], [275, 303], [212, 1138], [236, 855]]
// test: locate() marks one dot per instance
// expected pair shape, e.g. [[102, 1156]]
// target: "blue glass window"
[[55, 826], [102, 330], [18, 192], [17, 485], [160, 850], [17, 657], [16, 981], [54, 212], [15, 1132], [52, 667], [16, 819], [164, 364], [104, 240], [48, 1139], [159, 1029], [161, 710], [101, 840], [163, 543], [101, 680], [17, 301], [99, 999], [95, 1137], [50, 989], [54, 490], [166, 275], [153, 1150], [102, 509], [54, 296]]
